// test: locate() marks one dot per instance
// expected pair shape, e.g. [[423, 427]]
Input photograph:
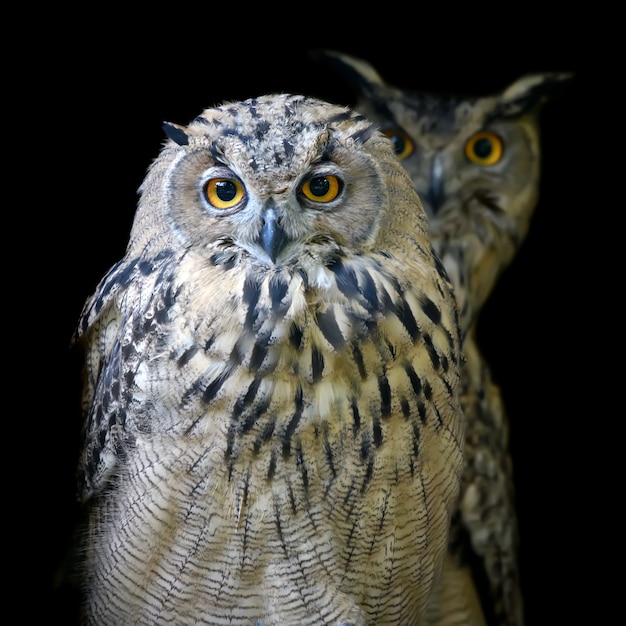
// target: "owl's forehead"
[[439, 115], [277, 129]]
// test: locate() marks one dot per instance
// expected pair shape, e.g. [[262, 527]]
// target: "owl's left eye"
[[223, 193], [322, 188], [484, 148], [402, 143]]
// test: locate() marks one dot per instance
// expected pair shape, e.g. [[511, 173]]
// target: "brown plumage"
[[273, 432]]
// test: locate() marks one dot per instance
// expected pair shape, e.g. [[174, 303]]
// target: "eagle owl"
[[475, 162], [273, 432]]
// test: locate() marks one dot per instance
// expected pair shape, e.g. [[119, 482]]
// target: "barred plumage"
[[272, 423]]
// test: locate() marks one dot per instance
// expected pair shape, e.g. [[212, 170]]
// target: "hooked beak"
[[272, 237]]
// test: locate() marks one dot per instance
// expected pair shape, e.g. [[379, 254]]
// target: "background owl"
[[475, 162], [273, 432]]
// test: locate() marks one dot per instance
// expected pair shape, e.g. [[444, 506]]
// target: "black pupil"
[[399, 143], [483, 148], [319, 186], [226, 190]]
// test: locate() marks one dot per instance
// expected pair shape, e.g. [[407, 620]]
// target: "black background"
[[98, 92]]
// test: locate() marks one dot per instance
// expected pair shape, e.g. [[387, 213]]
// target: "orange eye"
[[484, 148], [402, 143], [322, 188], [223, 193]]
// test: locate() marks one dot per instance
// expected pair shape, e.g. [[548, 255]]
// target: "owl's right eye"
[[484, 148], [223, 193], [402, 143]]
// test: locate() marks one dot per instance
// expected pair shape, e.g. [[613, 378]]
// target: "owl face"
[[279, 191], [463, 160]]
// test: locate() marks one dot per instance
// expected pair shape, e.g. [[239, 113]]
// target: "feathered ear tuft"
[[176, 133], [531, 91]]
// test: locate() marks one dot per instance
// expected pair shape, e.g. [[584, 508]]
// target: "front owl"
[[272, 424]]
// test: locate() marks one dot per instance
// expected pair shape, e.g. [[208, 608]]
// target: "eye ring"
[[322, 188], [402, 143], [484, 148], [223, 193]]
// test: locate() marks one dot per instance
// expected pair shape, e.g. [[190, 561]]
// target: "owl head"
[[474, 160], [275, 179]]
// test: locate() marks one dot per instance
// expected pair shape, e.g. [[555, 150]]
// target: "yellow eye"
[[223, 193], [322, 188], [484, 148], [402, 143]]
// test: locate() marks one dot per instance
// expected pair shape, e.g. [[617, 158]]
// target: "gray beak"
[[272, 237]]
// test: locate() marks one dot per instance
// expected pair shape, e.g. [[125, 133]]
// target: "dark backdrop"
[[103, 86]]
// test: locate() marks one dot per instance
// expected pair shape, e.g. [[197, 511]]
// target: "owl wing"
[[111, 333]]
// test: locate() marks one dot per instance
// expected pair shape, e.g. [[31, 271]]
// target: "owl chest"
[[287, 458]]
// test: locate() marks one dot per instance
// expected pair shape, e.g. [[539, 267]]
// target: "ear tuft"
[[176, 133], [531, 91]]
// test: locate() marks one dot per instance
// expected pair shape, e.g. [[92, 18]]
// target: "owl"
[[273, 431], [475, 162]]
